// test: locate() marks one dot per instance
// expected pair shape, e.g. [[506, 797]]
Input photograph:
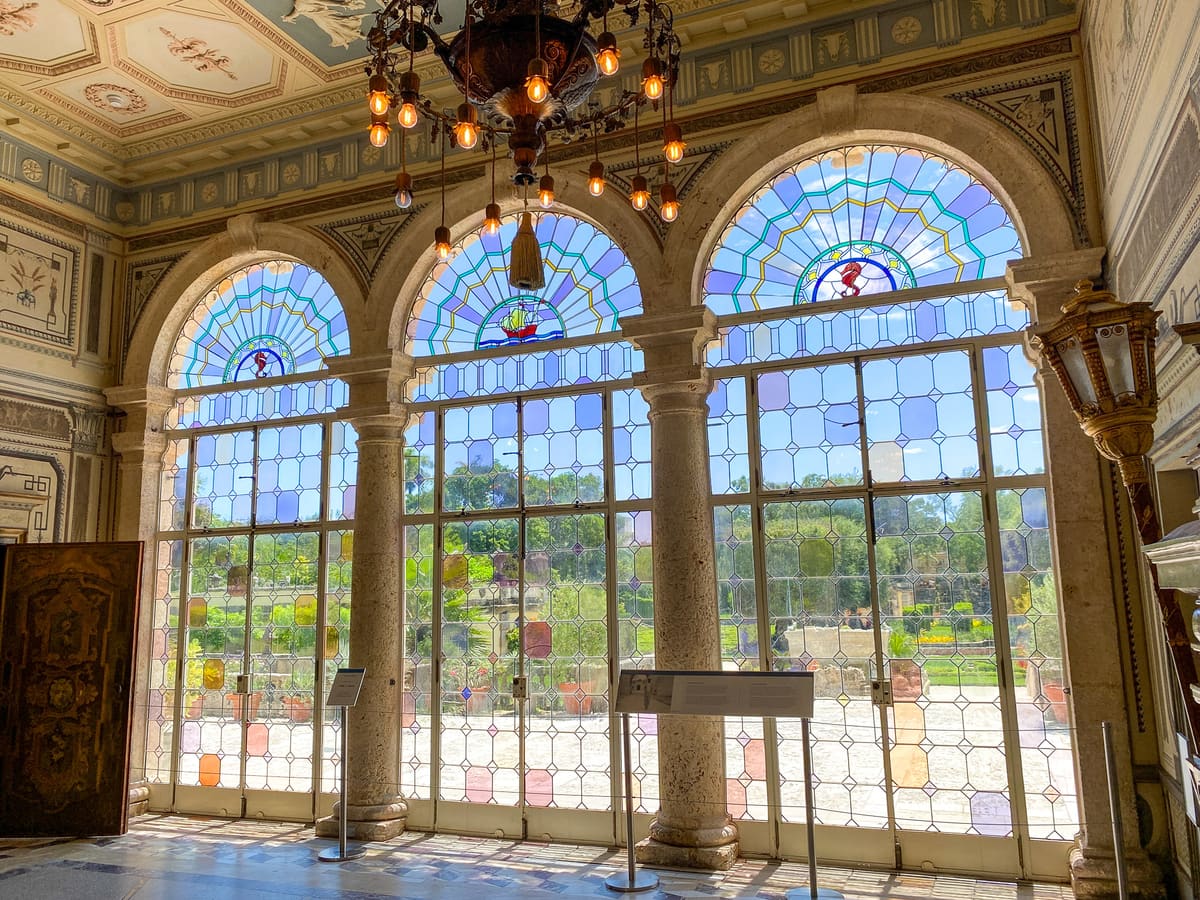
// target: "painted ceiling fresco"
[[125, 82]]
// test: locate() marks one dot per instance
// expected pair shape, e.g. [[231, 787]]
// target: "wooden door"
[[68, 616]]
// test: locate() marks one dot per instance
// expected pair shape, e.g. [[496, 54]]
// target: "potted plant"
[[906, 674], [1047, 659]]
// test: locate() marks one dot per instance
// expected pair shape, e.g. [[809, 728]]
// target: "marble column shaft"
[[692, 827], [375, 808]]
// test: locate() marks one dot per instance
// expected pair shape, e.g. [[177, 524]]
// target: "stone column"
[[1094, 636], [692, 827], [140, 445], [375, 809]]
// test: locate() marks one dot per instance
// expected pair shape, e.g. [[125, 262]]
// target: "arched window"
[[526, 532], [269, 319], [468, 304], [255, 541], [856, 221], [879, 504]]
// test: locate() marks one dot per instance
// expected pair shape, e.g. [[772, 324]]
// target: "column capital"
[[376, 380], [1045, 283], [378, 423], [677, 388], [672, 340]]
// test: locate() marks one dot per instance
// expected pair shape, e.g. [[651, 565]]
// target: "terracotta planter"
[[576, 701], [408, 709], [477, 703], [299, 709], [907, 679], [235, 700], [1057, 696]]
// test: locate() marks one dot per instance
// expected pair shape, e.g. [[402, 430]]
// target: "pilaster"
[[140, 445], [1079, 503], [692, 827]]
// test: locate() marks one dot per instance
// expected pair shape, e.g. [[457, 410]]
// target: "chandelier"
[[525, 75]]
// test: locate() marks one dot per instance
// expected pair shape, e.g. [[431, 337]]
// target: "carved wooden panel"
[[67, 621]]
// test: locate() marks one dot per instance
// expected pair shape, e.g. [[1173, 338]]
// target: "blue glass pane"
[[729, 455], [593, 364], [468, 304], [253, 404], [1014, 412], [631, 445], [269, 319], [812, 331], [859, 221]]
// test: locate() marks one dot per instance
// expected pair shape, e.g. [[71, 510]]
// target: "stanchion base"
[[642, 881], [805, 893], [334, 854]]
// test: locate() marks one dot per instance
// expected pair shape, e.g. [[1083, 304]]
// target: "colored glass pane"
[[467, 303], [269, 319], [858, 221]]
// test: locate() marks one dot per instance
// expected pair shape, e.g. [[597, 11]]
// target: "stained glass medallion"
[[859, 221], [266, 320], [467, 303]]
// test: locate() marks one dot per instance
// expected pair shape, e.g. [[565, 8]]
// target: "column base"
[[1094, 876], [379, 822], [716, 859], [138, 799]]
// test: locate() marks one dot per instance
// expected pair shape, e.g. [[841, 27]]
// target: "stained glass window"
[[467, 303], [859, 221], [266, 320]]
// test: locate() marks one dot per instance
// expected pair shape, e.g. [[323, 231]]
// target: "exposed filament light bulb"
[[668, 202], [640, 195], [537, 84], [466, 129], [673, 144], [652, 80], [404, 193], [596, 178], [546, 191], [491, 219], [608, 57], [441, 241], [377, 95], [378, 132]]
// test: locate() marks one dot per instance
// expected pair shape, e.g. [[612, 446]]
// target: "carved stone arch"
[[406, 266], [841, 117], [244, 242]]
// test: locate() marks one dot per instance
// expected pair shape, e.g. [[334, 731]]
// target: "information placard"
[[778, 694], [346, 685]]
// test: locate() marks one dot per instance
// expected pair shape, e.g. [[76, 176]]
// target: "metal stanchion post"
[[631, 881], [813, 892], [341, 854], [1114, 806]]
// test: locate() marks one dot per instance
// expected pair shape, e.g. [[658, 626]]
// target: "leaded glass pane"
[[419, 445], [1014, 412], [745, 748], [468, 304], [283, 639], [635, 643], [335, 646], [279, 401], [224, 481], [596, 363], [343, 470], [567, 747], [858, 221], [947, 753], [728, 449], [811, 331], [269, 319], [288, 476], [211, 734], [172, 492], [563, 450], [816, 575], [808, 427], [418, 696], [164, 647], [920, 418], [480, 468], [1035, 632], [631, 445], [479, 739]]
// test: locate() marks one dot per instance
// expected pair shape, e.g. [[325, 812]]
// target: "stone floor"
[[178, 858]]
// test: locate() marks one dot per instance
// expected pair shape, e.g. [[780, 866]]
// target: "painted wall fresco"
[[38, 286]]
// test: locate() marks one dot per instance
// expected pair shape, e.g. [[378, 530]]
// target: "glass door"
[[874, 562], [523, 742], [250, 655]]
